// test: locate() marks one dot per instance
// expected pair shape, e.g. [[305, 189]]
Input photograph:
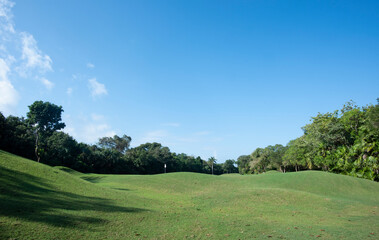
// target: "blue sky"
[[207, 78]]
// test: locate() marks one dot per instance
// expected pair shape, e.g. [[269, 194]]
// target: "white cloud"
[[70, 130], [34, 58], [49, 85], [93, 131], [69, 91], [154, 136], [11, 59], [88, 130], [202, 133], [4, 69], [33, 63], [173, 124], [8, 95], [187, 140], [6, 16], [97, 117], [216, 139], [90, 65], [96, 88]]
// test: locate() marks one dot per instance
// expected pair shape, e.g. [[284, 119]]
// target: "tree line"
[[345, 141], [39, 137]]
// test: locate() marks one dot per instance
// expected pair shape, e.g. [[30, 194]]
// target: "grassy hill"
[[42, 202]]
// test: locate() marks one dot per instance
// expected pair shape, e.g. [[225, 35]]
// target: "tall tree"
[[16, 136], [229, 167], [243, 163], [45, 118], [61, 150], [149, 158], [211, 162], [120, 144]]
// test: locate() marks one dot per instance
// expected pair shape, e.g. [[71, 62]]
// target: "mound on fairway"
[[42, 202]]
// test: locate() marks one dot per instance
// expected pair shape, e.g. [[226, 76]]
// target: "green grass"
[[42, 202]]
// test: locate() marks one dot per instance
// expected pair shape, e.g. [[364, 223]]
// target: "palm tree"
[[211, 162]]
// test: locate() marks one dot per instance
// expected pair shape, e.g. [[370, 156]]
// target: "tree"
[[276, 157], [149, 158], [229, 167], [243, 163], [3, 129], [259, 160], [120, 144], [45, 118], [188, 163], [211, 162], [61, 150], [16, 136], [371, 128]]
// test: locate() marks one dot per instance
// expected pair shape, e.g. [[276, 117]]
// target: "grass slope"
[[42, 202]]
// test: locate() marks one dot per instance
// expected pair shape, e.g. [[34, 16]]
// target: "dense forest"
[[38, 137], [345, 141]]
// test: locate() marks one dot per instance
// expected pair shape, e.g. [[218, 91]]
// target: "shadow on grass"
[[68, 170], [30, 198], [92, 179], [121, 189]]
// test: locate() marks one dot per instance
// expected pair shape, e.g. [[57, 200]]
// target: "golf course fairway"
[[42, 202]]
